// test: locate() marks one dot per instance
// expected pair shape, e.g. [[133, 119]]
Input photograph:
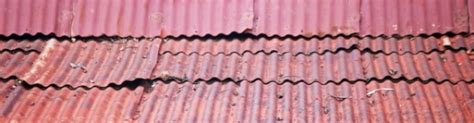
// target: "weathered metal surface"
[[22, 45], [374, 101], [149, 18], [207, 17], [14, 64], [36, 16], [413, 17], [471, 15], [84, 63], [140, 18], [307, 17], [311, 46], [329, 67]]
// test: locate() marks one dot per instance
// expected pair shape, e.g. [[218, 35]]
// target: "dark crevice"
[[27, 85], [149, 84], [346, 50], [230, 36], [66, 38], [19, 50]]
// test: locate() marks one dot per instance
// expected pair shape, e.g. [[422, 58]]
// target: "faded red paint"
[[311, 46], [397, 101]]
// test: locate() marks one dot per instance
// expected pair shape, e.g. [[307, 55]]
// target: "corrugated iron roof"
[[22, 45], [413, 17], [188, 61], [329, 67], [14, 64], [386, 101], [91, 63], [140, 18], [307, 17], [310, 46], [150, 18], [99, 63]]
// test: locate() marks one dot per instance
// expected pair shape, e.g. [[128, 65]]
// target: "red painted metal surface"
[[307, 17], [311, 46], [22, 45], [471, 15], [150, 18], [142, 18], [84, 63], [328, 67], [395, 101], [100, 63], [14, 64], [413, 17], [36, 16], [207, 17]]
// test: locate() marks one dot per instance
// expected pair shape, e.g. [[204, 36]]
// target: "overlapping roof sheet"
[[163, 18], [386, 101], [91, 63], [315, 46], [142, 18], [329, 67], [236, 60], [100, 63]]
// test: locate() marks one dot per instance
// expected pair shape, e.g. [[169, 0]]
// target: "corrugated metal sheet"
[[125, 17], [307, 17], [202, 17], [85, 63], [396, 101], [36, 16], [22, 45], [353, 65], [471, 15], [310, 46], [413, 17], [13, 64]]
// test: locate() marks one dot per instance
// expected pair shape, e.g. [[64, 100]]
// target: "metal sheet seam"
[[158, 53], [468, 15]]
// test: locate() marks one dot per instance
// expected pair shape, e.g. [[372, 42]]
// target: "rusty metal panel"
[[374, 101], [85, 63], [206, 17], [307, 17], [22, 45], [36, 16], [413, 17], [141, 18], [328, 67], [15, 64], [471, 15], [314, 46]]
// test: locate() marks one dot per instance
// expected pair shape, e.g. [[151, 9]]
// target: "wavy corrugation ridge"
[[36, 16], [386, 101], [408, 17], [307, 17], [22, 45], [206, 17], [316, 68], [142, 18], [84, 63], [310, 46], [174, 18], [16, 64]]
